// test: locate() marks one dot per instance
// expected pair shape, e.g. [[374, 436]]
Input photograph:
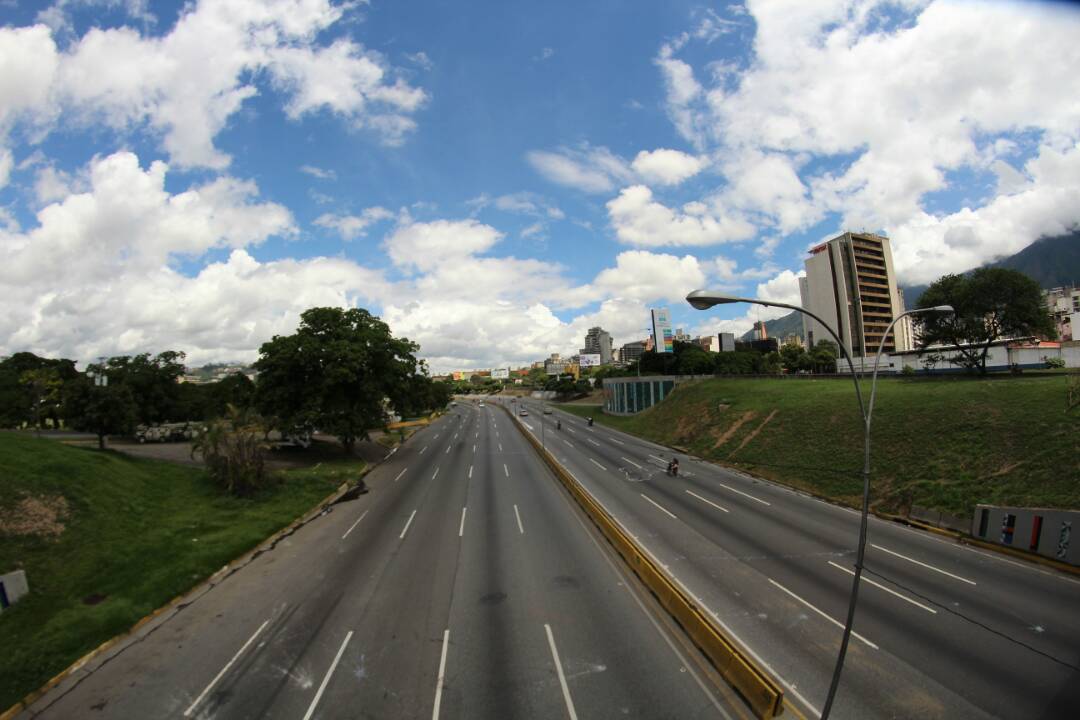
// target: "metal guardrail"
[[761, 692]]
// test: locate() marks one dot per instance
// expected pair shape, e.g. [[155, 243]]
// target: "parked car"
[[523, 412], [547, 411]]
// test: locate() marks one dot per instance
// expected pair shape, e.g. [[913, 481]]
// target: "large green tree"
[[153, 381], [29, 389], [335, 374], [990, 303], [102, 410]]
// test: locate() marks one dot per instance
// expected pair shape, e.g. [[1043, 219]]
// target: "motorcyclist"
[[674, 467], [558, 424], [590, 421]]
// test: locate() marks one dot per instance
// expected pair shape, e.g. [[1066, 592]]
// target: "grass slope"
[[137, 534], [946, 445]]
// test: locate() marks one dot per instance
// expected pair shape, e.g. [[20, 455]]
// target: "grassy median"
[[105, 539], [944, 444]]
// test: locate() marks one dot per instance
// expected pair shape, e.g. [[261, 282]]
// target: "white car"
[[481, 404], [524, 412]]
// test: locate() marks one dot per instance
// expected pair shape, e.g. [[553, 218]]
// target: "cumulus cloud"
[[350, 227], [640, 220], [589, 169], [845, 109], [598, 170], [667, 167], [185, 85]]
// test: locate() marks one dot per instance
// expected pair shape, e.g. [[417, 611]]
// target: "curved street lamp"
[[703, 300]]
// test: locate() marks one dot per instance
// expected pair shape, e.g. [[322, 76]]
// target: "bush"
[[234, 452], [1054, 363], [908, 371]]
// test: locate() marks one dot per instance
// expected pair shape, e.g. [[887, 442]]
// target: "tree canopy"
[[336, 373], [990, 303]]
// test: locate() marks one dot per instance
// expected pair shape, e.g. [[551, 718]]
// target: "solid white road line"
[[755, 499], [407, 523], [521, 528], [835, 622], [436, 474], [461, 528], [326, 680], [422, 451], [506, 470], [191, 708], [631, 462], [400, 474], [661, 507], [562, 677], [353, 525], [470, 471], [597, 464], [442, 675], [593, 442], [710, 502], [888, 590], [928, 567]]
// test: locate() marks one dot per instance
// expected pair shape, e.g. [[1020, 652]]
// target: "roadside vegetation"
[[105, 539], [945, 444]]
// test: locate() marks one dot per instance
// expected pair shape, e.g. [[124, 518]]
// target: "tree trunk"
[[101, 441]]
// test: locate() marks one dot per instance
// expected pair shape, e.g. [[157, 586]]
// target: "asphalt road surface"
[[466, 584], [943, 630]]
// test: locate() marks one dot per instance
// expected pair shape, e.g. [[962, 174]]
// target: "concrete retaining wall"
[[1042, 531], [13, 586]]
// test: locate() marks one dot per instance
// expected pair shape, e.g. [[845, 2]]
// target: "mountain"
[[790, 324], [1049, 261]]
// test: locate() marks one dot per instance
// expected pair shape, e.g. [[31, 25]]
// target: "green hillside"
[[944, 444], [105, 539]]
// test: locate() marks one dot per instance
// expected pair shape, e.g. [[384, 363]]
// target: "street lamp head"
[[703, 299], [942, 309]]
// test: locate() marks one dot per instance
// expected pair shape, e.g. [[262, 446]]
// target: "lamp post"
[[703, 300]]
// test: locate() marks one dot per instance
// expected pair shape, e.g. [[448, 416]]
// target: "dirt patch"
[[35, 515], [730, 432], [1005, 469], [754, 434]]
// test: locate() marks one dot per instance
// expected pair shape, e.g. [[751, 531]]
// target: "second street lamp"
[[703, 300]]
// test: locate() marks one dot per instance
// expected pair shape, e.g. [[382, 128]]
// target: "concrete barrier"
[[761, 692], [13, 586]]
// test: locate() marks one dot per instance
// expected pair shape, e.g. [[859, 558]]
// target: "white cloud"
[[888, 109], [667, 167], [1043, 201], [353, 226], [317, 172], [427, 246], [640, 220], [589, 169], [186, 84]]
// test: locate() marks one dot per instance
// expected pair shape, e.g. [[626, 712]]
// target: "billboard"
[[661, 328], [589, 360], [458, 375], [500, 373]]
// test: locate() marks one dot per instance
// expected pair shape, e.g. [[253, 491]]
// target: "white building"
[[850, 283]]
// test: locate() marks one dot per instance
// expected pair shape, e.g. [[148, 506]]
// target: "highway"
[[943, 630], [466, 584]]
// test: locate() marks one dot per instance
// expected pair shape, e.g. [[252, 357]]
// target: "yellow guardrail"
[[761, 692]]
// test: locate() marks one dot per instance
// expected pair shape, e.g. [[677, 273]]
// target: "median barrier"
[[761, 692]]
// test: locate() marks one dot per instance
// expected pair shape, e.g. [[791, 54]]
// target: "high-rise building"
[[632, 351], [850, 283], [760, 333], [598, 342], [727, 342]]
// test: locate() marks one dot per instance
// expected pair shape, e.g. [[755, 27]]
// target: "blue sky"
[[495, 178]]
